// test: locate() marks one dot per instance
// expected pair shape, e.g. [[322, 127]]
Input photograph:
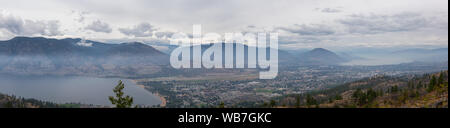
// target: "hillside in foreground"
[[7, 101], [426, 91]]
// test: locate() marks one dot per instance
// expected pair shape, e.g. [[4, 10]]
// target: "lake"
[[85, 90], [377, 61]]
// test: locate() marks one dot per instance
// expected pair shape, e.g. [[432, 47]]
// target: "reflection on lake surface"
[[377, 61], [86, 90]]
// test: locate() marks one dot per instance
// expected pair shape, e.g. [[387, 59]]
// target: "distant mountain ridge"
[[419, 50], [75, 56], [52, 47], [40, 56], [317, 56], [423, 55], [321, 56]]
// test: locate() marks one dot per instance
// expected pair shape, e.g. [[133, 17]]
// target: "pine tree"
[[420, 85], [297, 103], [273, 103], [371, 95], [120, 101], [441, 79], [339, 97], [432, 84], [221, 105], [9, 104], [394, 89], [310, 101]]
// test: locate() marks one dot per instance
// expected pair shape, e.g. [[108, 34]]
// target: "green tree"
[[371, 95], [221, 105], [420, 85], [310, 101], [265, 104], [120, 100], [338, 97], [9, 104], [297, 103], [394, 89], [441, 79], [357, 93], [432, 84], [273, 103]]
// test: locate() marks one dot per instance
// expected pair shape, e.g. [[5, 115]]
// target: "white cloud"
[[99, 26], [80, 16], [18, 26], [140, 30], [319, 21], [83, 43], [311, 29], [331, 10], [372, 24]]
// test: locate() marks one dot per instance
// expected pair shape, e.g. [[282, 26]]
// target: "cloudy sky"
[[300, 23]]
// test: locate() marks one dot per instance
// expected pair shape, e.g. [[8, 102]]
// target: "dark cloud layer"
[[18, 26], [354, 25], [313, 29], [373, 24], [164, 34], [99, 26], [331, 10], [415, 22], [141, 30]]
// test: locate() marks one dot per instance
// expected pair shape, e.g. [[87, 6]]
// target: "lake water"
[[377, 60], [84, 90]]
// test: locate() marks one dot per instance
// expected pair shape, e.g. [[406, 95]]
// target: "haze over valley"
[[96, 63], [323, 53]]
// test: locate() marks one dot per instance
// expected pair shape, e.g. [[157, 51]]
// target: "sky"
[[300, 23]]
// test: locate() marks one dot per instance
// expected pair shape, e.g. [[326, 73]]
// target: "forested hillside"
[[15, 102], [426, 91], [7, 101]]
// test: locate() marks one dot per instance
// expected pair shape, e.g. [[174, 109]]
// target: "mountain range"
[[75, 56], [320, 56], [428, 55], [69, 46], [42, 56]]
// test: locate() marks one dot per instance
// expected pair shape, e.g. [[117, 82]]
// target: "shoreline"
[[161, 97]]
